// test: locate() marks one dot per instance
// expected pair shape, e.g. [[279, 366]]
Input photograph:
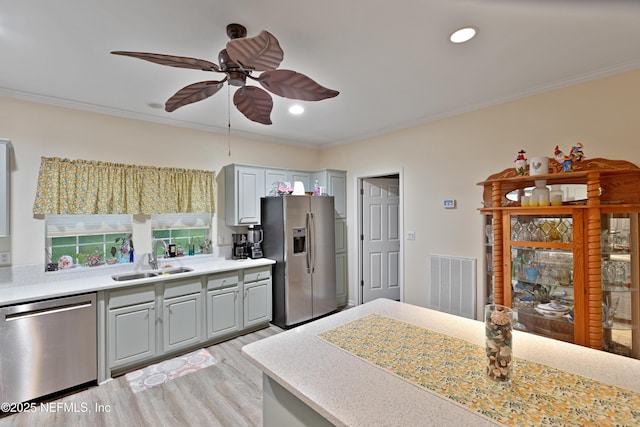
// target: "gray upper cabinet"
[[335, 184], [272, 178], [304, 177], [244, 186], [5, 171], [337, 187]]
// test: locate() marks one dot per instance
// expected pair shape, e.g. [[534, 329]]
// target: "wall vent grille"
[[453, 285]]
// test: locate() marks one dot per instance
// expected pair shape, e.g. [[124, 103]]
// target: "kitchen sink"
[[146, 274], [133, 276], [175, 271]]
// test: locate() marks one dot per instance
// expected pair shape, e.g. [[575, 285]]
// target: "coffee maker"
[[254, 237], [240, 246]]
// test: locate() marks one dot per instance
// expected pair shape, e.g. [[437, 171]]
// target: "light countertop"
[[349, 391], [17, 287]]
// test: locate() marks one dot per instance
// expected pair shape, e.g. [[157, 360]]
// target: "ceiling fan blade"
[[260, 53], [193, 93], [255, 103], [172, 61], [293, 85]]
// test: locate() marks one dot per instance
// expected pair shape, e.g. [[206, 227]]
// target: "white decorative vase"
[[538, 166]]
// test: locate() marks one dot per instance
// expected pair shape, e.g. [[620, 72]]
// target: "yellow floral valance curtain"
[[90, 187]]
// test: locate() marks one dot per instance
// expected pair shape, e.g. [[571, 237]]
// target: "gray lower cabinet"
[[131, 327], [147, 322], [182, 314], [341, 278], [257, 296], [223, 305]]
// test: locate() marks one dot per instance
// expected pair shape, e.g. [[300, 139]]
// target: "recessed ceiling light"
[[296, 109], [463, 35]]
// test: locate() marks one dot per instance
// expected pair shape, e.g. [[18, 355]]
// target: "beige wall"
[[439, 160], [37, 130], [447, 158]]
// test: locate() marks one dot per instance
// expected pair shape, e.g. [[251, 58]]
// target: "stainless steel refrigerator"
[[299, 234]]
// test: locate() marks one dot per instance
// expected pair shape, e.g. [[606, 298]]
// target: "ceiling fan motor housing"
[[235, 76]]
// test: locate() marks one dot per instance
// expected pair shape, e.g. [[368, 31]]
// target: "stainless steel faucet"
[[153, 256]]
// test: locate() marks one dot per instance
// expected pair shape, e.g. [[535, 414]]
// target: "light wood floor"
[[228, 393]]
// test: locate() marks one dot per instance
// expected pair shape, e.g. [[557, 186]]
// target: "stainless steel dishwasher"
[[47, 346]]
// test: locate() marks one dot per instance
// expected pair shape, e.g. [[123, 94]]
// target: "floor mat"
[[167, 370]]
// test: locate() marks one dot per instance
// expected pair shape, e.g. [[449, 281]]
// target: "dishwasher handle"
[[47, 311]]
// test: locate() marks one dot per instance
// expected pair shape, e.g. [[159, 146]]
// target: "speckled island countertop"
[[25, 284], [348, 391]]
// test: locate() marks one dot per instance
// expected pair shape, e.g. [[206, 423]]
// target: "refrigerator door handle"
[[310, 242]]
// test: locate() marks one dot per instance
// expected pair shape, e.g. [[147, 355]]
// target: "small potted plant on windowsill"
[[82, 258], [112, 259], [94, 259]]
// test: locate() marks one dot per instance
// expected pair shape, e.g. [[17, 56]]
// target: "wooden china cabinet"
[[570, 271]]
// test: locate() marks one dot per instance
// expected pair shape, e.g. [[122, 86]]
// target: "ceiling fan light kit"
[[238, 61], [463, 35]]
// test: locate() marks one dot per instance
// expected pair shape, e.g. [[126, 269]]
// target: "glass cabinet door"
[[619, 267], [542, 274]]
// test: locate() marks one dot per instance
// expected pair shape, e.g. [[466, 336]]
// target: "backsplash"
[[34, 273]]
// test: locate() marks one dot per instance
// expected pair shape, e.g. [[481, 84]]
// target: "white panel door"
[[381, 239]]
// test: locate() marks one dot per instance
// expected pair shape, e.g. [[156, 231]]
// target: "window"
[[80, 240], [183, 230]]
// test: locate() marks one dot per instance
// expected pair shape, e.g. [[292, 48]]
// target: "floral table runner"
[[454, 368]]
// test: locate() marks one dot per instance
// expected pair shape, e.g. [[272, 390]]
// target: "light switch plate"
[[449, 203], [5, 258]]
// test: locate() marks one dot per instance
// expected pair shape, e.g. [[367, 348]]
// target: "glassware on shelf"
[[556, 195], [609, 312], [531, 274], [488, 230], [540, 195]]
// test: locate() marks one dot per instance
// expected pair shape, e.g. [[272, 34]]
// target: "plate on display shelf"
[[552, 309]]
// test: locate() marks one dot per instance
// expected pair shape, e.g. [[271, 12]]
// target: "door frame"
[[359, 178]]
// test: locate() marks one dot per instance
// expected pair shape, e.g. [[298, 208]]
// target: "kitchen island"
[[308, 381]]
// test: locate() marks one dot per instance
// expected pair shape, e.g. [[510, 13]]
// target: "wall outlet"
[[5, 258], [449, 203]]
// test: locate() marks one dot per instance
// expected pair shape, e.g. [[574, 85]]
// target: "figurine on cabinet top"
[[576, 152], [575, 155], [520, 163]]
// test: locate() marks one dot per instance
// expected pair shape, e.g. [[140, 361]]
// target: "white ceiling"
[[390, 60]]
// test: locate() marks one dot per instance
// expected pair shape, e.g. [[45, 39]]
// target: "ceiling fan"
[[242, 57]]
